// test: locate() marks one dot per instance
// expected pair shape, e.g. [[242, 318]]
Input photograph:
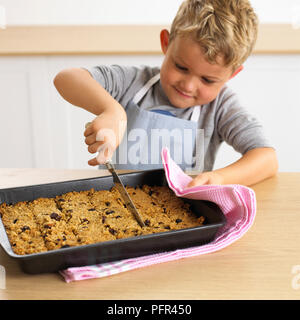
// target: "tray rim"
[[67, 181]]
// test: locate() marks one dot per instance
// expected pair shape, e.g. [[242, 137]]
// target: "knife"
[[120, 187], [125, 196]]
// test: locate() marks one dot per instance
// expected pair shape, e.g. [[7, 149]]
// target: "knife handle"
[[109, 166]]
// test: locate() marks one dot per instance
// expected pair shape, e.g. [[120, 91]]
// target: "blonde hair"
[[226, 28]]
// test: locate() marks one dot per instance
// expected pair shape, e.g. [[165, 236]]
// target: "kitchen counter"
[[263, 264]]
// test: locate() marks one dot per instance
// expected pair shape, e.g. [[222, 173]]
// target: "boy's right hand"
[[103, 135]]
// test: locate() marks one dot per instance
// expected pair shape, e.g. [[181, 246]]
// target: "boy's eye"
[[184, 69], [181, 68], [207, 80]]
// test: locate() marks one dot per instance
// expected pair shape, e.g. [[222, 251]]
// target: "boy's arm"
[[245, 134], [254, 166], [79, 88]]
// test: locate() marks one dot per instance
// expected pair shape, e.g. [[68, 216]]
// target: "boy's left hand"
[[254, 166], [209, 177]]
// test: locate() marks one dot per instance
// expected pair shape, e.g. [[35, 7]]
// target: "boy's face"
[[186, 77]]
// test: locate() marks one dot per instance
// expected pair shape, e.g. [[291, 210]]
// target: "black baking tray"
[[102, 252]]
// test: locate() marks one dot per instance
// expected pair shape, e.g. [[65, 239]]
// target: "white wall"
[[20, 12], [39, 129]]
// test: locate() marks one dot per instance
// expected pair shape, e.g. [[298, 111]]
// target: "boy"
[[207, 45]]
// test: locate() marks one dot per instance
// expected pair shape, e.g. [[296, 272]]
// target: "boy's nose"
[[187, 86]]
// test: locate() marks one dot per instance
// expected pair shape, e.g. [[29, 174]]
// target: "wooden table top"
[[263, 264]]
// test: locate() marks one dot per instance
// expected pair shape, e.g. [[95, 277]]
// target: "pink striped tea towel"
[[237, 202]]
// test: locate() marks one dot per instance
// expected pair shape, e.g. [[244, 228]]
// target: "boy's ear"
[[238, 70], [164, 40]]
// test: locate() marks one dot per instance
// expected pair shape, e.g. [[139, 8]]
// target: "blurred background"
[[38, 38]]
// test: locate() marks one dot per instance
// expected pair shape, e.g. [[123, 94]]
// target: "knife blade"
[[125, 196], [120, 187]]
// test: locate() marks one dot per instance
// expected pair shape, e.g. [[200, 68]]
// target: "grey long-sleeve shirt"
[[223, 119]]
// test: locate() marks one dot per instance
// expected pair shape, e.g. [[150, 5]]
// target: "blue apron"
[[149, 131]]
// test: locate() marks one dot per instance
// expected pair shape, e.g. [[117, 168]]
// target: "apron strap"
[[196, 114], [140, 94]]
